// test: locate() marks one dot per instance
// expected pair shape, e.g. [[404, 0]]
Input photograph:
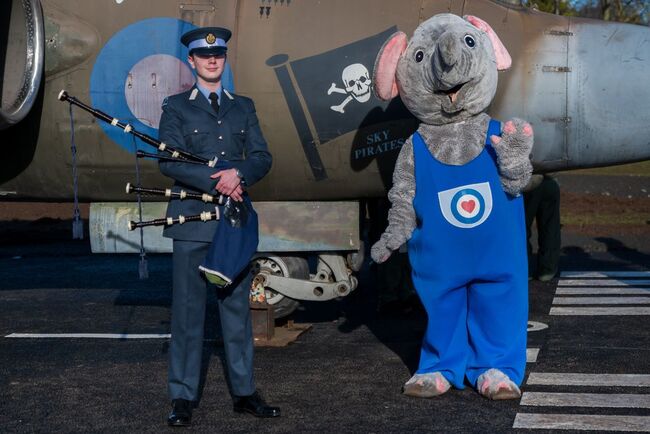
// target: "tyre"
[[287, 266]]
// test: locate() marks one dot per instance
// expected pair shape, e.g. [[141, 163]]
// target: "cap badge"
[[210, 39]]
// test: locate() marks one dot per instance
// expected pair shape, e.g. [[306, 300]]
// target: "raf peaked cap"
[[207, 40]]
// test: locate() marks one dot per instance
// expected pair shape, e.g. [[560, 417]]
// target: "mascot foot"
[[426, 385], [494, 384]]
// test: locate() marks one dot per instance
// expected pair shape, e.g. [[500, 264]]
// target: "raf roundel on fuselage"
[[132, 84]]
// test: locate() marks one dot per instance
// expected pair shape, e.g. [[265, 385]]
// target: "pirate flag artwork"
[[336, 87]]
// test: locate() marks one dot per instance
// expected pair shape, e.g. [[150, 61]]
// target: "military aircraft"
[[308, 66]]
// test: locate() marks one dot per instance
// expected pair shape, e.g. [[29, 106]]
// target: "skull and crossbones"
[[356, 82]]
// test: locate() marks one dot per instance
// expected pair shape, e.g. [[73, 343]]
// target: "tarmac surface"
[[344, 375]]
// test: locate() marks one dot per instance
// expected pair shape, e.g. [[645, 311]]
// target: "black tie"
[[214, 101]]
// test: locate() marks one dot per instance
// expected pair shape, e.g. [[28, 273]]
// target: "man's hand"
[[229, 184]]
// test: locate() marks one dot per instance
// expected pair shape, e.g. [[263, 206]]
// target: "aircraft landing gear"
[[293, 267], [286, 279]]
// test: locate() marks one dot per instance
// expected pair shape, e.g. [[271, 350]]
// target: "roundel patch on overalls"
[[137, 68], [467, 206]]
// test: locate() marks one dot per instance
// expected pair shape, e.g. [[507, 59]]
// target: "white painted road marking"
[[601, 300], [613, 400], [91, 335], [531, 355], [603, 291], [595, 311], [535, 326], [583, 274], [601, 282], [607, 295], [572, 379], [582, 422]]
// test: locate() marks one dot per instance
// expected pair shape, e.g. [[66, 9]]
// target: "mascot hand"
[[380, 252], [515, 143]]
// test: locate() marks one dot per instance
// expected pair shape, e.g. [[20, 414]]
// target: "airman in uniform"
[[210, 121]]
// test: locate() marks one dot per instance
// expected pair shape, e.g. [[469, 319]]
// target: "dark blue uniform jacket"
[[188, 122]]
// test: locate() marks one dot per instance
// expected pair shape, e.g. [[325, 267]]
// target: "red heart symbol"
[[468, 205]]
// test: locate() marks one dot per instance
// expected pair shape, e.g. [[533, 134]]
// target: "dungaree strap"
[[417, 139]]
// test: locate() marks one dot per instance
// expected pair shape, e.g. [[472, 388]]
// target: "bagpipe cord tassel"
[[143, 268], [77, 223]]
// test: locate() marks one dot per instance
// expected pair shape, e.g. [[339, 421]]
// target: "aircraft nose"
[[609, 96]]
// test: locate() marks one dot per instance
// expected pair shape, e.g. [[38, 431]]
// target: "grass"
[[604, 218], [634, 169], [584, 210]]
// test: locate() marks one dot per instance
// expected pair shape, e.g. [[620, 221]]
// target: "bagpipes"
[[234, 242], [142, 154], [177, 154], [167, 192], [182, 194], [205, 216]]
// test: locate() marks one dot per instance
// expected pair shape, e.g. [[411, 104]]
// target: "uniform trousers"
[[188, 321]]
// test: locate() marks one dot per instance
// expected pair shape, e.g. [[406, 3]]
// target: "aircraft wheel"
[[286, 266]]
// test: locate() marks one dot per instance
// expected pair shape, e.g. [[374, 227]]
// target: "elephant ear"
[[384, 74], [504, 61]]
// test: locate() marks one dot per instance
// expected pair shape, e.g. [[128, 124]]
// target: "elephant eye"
[[419, 55], [470, 41]]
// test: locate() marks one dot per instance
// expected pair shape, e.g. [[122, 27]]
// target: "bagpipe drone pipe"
[[237, 234], [178, 154], [236, 237]]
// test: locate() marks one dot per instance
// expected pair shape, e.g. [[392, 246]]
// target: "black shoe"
[[255, 405], [547, 276], [181, 414]]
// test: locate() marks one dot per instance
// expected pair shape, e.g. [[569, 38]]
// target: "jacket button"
[[220, 137], [196, 131], [219, 122], [223, 153]]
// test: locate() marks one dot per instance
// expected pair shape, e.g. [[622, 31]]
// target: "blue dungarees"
[[468, 255]]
